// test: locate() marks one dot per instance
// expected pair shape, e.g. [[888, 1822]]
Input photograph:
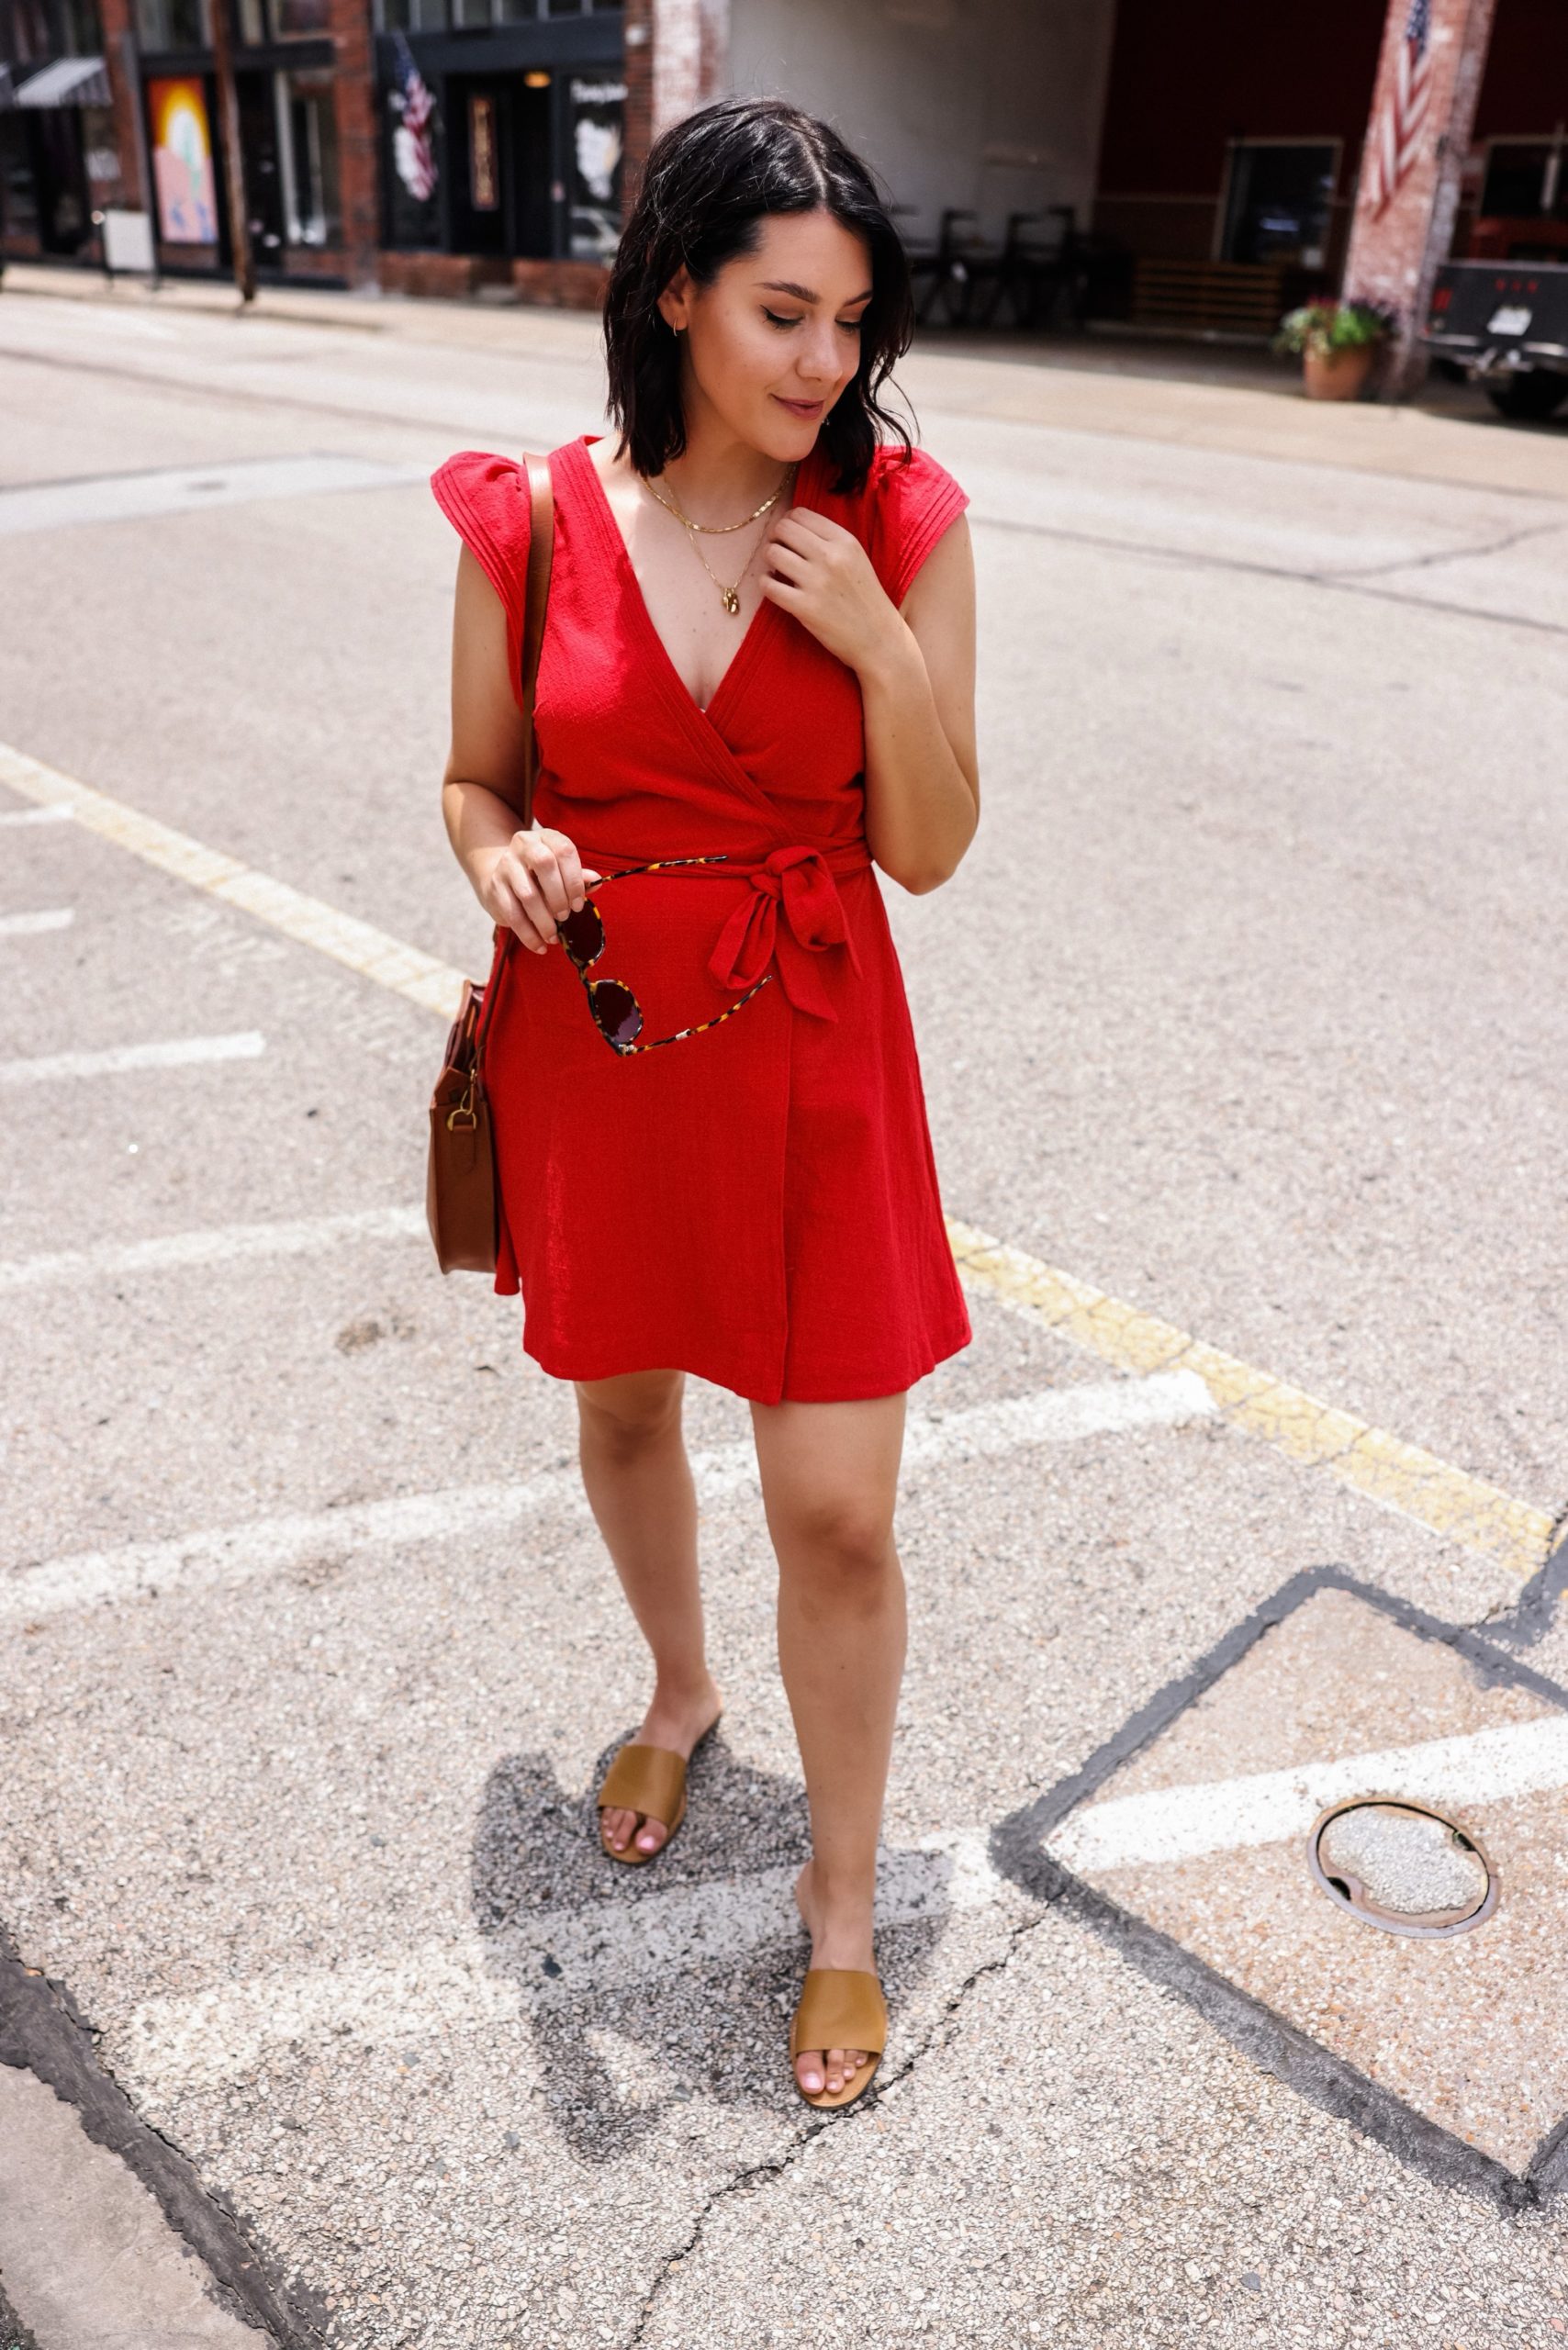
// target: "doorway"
[[262, 166], [499, 146]]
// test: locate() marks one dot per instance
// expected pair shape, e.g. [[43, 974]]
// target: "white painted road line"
[[219, 1243], [174, 1052], [229, 1555], [1169, 1824], [184, 489], [59, 813], [29, 925], [226, 2033]]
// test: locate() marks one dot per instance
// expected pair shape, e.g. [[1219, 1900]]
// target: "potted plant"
[[1336, 343]]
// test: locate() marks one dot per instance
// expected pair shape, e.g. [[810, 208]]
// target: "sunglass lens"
[[617, 1010], [582, 935]]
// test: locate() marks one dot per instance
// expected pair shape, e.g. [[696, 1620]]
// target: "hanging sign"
[[484, 192]]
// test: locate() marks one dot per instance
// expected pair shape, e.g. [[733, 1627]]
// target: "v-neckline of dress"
[[756, 629]]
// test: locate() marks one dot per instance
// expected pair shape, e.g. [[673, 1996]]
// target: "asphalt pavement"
[[1243, 1031]]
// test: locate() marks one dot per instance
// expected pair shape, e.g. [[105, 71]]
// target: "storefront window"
[[599, 141], [1526, 179], [517, 12], [415, 153], [174, 24], [33, 31], [307, 137], [412, 16], [1279, 202], [301, 19], [19, 195]]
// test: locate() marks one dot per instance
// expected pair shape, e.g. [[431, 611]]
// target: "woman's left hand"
[[820, 572]]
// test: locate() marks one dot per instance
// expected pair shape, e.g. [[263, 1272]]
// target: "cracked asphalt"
[[1247, 1007]]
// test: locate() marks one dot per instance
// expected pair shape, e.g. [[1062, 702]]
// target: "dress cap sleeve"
[[485, 498], [913, 502]]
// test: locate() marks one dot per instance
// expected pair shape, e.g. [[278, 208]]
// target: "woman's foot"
[[839, 1938], [674, 1721]]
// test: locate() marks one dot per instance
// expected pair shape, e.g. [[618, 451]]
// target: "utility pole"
[[233, 161]]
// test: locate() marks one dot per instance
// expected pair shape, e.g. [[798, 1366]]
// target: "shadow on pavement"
[[620, 2041]]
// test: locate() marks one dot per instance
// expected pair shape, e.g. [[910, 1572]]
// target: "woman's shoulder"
[[908, 500], [482, 483]]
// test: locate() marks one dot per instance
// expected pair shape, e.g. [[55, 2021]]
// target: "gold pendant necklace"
[[729, 595]]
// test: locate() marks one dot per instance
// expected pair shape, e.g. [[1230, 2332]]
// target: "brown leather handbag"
[[460, 1180]]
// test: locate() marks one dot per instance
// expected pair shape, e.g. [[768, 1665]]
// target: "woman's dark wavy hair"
[[711, 181]]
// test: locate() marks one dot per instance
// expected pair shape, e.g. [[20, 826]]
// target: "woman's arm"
[[916, 668], [527, 880]]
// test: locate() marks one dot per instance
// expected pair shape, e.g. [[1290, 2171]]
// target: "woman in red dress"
[[711, 1135]]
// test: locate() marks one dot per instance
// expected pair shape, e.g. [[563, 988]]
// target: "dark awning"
[[68, 82]]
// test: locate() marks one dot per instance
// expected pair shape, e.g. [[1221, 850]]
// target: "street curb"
[[42, 2031]]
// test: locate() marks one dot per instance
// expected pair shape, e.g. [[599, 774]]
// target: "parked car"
[[1506, 325]]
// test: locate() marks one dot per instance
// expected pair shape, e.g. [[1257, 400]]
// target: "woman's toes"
[[651, 1835], [808, 2072], [618, 1827]]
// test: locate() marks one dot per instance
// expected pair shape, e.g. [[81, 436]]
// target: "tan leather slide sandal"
[[650, 1781], [841, 2007]]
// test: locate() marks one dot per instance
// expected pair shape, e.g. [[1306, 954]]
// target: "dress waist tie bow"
[[799, 881]]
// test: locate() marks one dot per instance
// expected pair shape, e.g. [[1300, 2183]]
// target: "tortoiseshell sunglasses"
[[616, 1012]]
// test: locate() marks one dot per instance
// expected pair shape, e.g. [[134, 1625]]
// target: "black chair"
[[1041, 258], [962, 271]]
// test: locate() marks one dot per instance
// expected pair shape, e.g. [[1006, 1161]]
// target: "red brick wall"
[[354, 100]]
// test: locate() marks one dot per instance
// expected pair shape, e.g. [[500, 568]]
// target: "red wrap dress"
[[758, 1204]]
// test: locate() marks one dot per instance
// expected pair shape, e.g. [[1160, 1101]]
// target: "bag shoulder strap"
[[536, 601], [536, 595]]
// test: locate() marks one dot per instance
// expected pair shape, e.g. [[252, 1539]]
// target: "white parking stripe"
[[1269, 1806], [59, 813], [235, 1554], [174, 1052], [28, 925], [184, 489], [224, 2033], [219, 1243]]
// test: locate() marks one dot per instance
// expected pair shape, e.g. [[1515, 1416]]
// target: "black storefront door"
[[499, 147], [59, 176], [263, 168]]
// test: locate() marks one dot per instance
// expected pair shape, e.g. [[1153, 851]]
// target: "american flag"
[[412, 146], [1395, 136]]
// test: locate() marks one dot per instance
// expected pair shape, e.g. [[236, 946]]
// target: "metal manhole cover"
[[1402, 1866]]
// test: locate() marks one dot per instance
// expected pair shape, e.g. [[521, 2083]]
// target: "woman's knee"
[[622, 1419], [837, 1544]]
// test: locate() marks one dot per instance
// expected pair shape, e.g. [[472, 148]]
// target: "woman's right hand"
[[532, 882]]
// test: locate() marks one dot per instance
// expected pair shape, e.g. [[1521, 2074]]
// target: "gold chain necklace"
[[721, 530], [729, 593]]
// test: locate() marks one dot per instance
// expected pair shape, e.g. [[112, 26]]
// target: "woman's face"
[[770, 344]]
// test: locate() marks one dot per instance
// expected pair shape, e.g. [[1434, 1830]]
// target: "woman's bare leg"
[[639, 1487], [830, 1483]]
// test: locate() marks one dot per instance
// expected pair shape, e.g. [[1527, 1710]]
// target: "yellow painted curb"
[[1399, 1476]]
